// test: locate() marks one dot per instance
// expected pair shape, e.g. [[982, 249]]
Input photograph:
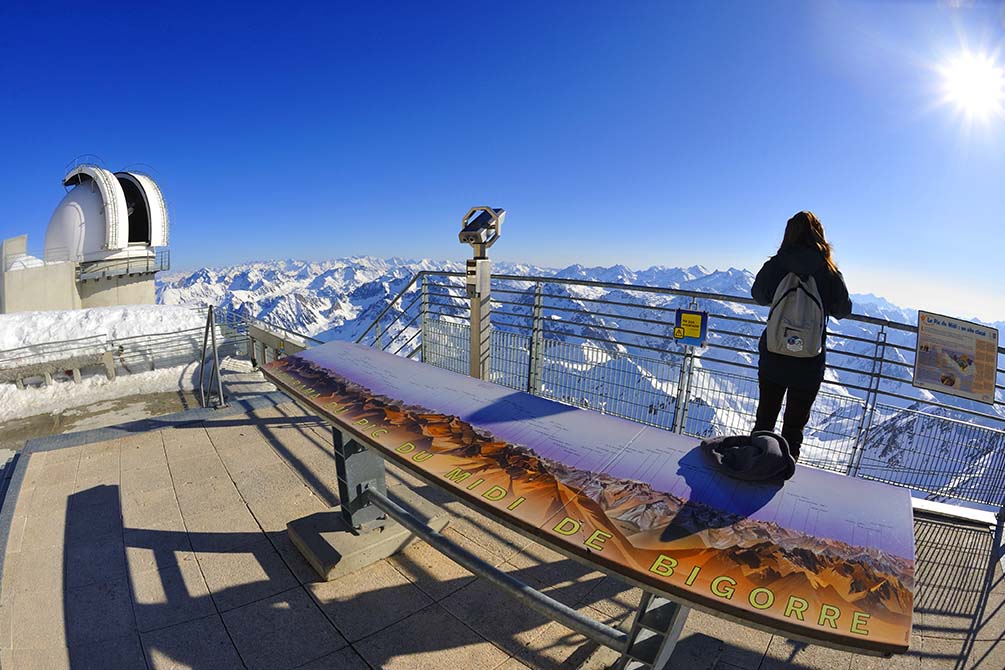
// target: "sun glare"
[[975, 84]]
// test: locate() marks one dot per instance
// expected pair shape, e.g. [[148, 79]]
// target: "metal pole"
[[216, 361], [202, 358], [479, 278], [424, 306], [535, 350], [871, 399], [532, 598], [683, 391]]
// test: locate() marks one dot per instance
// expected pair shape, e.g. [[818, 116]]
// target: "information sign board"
[[956, 357]]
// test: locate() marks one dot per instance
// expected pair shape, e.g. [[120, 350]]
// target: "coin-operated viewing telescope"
[[480, 228]]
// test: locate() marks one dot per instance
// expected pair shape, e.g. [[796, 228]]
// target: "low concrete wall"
[[111, 291], [42, 288]]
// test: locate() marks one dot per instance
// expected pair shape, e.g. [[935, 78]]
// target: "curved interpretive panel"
[[823, 557]]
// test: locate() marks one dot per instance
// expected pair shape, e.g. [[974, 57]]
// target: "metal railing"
[[610, 347], [160, 261]]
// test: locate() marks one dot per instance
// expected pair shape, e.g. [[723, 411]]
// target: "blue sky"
[[636, 133]]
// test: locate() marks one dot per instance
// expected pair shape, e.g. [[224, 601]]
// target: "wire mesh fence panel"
[[631, 387], [942, 457], [719, 403], [447, 345], [510, 359]]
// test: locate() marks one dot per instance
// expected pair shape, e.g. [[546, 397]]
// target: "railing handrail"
[[399, 296]]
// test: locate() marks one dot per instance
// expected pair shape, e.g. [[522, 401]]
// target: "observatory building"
[[105, 241]]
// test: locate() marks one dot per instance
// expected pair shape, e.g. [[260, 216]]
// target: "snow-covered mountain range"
[[339, 299]]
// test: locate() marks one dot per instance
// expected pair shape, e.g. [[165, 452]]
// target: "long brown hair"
[[805, 230]]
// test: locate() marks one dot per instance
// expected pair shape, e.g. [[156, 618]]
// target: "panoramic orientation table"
[[824, 557]]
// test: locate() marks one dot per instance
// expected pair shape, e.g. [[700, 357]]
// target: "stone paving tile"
[[912, 660], [215, 494], [990, 624], [16, 533], [186, 442], [568, 582], [123, 653], [37, 621], [230, 529], [62, 472], [49, 501], [33, 570], [343, 659], [96, 562], [152, 549], [61, 455], [90, 481], [270, 484], [92, 523], [785, 654], [740, 645], [197, 468], [433, 573], [490, 536], [147, 478], [154, 508], [22, 506], [142, 450], [514, 664], [245, 575], [203, 643], [368, 600], [273, 515], [494, 615], [173, 594], [613, 598], [6, 610], [249, 456], [40, 532], [284, 631], [294, 560], [98, 612], [698, 651], [430, 638]]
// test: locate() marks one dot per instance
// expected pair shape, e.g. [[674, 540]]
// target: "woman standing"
[[805, 252]]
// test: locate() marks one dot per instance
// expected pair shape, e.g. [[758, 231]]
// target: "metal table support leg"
[[359, 470], [655, 630]]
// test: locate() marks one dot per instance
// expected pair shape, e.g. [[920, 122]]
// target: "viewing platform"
[[163, 544]]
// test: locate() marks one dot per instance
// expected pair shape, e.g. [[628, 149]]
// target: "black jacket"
[[787, 371]]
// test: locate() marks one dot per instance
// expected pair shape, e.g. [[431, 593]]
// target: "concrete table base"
[[334, 550]]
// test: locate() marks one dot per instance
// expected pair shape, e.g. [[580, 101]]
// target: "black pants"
[[797, 411]]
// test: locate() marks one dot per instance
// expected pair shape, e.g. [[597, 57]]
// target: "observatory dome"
[[106, 216]]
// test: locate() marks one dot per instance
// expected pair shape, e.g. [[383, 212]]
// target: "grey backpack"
[[796, 320]]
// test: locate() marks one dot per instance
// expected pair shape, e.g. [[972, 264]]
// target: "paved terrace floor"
[[166, 548]]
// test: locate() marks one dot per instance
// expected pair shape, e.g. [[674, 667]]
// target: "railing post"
[[202, 357], [424, 320], [535, 353], [683, 391], [216, 363], [869, 409]]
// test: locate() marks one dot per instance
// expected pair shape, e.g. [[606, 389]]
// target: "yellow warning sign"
[[691, 323]]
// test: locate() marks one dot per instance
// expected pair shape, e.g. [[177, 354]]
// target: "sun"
[[975, 84]]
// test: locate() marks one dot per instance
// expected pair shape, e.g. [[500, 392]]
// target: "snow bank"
[[60, 396], [115, 323], [26, 328]]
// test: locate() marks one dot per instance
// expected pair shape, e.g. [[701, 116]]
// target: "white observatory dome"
[[106, 216]]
